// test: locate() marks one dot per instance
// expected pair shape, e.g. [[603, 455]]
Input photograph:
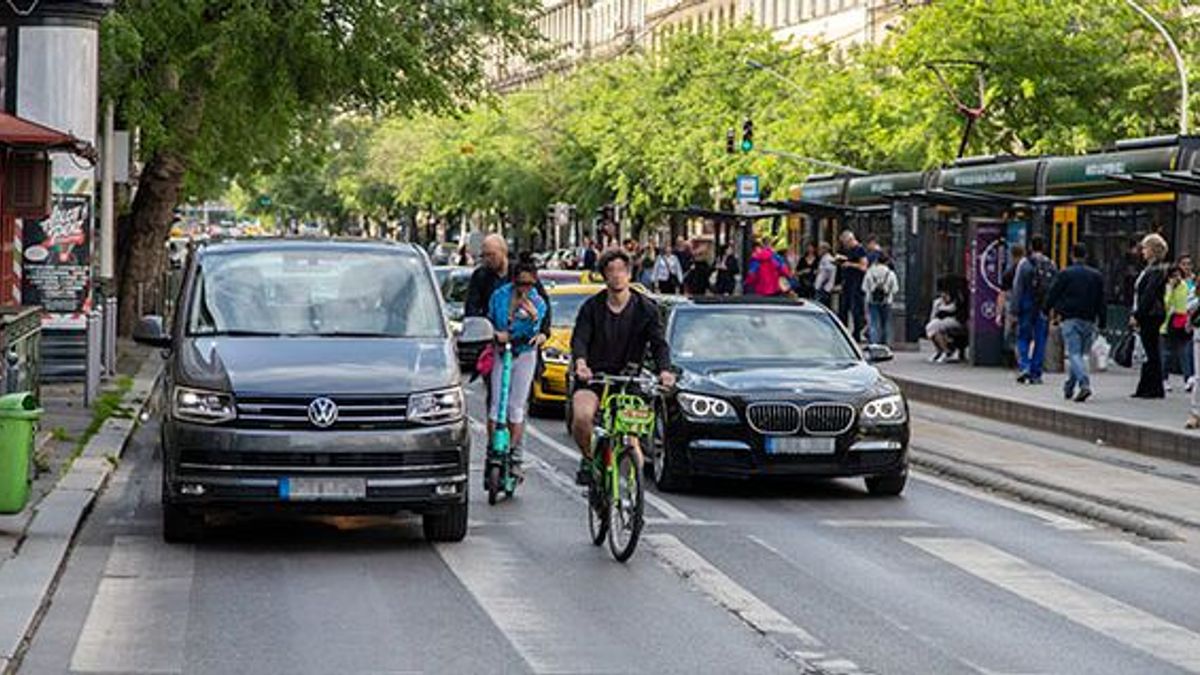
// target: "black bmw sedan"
[[777, 388]]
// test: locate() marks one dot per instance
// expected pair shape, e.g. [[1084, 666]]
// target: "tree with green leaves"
[[222, 88]]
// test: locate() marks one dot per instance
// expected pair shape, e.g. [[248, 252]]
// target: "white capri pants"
[[520, 380]]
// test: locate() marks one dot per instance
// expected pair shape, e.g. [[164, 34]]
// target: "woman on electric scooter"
[[517, 311]]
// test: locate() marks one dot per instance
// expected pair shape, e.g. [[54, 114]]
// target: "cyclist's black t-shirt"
[[611, 341]]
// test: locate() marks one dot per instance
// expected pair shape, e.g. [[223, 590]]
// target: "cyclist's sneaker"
[[584, 475]]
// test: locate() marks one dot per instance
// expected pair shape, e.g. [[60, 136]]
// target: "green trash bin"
[[19, 414]]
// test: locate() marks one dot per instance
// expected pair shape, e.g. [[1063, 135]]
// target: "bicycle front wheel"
[[625, 511]]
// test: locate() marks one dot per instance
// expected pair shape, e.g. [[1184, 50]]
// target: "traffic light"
[[729, 142], [748, 135], [264, 201]]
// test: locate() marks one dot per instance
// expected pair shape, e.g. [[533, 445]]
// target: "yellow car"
[[565, 301]]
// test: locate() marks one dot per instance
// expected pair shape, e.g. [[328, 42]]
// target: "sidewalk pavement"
[[34, 544], [1109, 417]]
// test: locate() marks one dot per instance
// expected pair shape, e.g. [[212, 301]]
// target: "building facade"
[[578, 31]]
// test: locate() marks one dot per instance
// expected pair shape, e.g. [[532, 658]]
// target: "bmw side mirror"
[[151, 331], [879, 353], [476, 330]]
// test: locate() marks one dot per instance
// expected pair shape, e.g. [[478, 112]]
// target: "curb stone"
[[28, 579], [1055, 497]]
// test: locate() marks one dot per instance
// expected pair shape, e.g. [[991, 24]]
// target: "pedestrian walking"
[[874, 250], [645, 266], [1031, 282], [587, 255], [767, 273], [1176, 336], [1076, 300], [668, 274], [685, 254], [1148, 314], [880, 286], [853, 310], [826, 275], [696, 280], [727, 271], [1194, 321], [1006, 309]]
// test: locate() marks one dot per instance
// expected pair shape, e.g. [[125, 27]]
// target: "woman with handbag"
[[1176, 335], [1149, 313]]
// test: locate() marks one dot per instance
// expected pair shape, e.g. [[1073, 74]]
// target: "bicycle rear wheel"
[[625, 512]]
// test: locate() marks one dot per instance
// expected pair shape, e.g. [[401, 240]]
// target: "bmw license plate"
[[318, 489], [801, 445]]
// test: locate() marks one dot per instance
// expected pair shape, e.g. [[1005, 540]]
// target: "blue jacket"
[[523, 327]]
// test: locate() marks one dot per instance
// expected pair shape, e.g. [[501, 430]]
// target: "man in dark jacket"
[[613, 330], [1076, 298], [1033, 278]]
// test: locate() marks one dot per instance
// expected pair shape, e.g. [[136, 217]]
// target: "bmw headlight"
[[705, 407], [436, 407], [556, 355], [885, 410], [201, 405]]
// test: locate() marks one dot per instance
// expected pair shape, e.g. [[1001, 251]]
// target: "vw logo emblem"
[[322, 412]]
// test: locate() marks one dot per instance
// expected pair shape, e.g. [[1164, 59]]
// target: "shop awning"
[[1156, 181], [817, 208], [21, 134], [725, 216]]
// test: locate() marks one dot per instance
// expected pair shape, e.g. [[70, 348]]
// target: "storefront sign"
[[57, 262]]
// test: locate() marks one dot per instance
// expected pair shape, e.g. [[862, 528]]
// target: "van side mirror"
[[476, 330], [151, 331]]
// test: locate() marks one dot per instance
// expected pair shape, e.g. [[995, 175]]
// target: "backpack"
[[1043, 275]]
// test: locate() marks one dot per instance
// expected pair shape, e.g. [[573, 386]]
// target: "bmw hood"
[[317, 365], [842, 380]]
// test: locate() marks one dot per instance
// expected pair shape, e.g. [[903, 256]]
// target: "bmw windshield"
[[762, 334], [334, 292]]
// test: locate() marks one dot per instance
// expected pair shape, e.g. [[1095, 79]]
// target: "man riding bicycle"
[[612, 331]]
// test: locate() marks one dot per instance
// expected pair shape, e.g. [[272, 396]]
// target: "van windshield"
[[315, 292]]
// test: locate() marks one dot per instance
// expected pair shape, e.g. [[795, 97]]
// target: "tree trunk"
[[144, 250]]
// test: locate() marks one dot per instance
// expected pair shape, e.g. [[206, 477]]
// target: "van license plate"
[[317, 489], [793, 445]]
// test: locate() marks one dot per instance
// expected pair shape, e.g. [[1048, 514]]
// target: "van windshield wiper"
[[237, 332]]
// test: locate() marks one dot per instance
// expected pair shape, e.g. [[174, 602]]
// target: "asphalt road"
[[745, 578]]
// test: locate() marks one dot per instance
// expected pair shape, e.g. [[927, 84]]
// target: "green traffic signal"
[[264, 201], [747, 145]]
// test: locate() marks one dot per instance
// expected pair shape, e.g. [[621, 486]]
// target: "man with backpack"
[[1031, 286]]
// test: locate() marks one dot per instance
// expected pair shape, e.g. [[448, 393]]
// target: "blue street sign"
[[747, 188]]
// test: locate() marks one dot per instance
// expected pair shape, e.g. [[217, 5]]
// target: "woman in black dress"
[[1149, 313]]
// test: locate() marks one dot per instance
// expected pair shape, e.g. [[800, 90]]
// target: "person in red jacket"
[[765, 272]]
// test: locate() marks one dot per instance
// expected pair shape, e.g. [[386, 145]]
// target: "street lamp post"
[[776, 74], [1180, 65]]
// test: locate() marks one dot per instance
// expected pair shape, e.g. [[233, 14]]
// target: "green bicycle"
[[615, 496]]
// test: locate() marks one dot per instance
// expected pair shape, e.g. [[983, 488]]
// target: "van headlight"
[[885, 410], [202, 405], [705, 407], [436, 407]]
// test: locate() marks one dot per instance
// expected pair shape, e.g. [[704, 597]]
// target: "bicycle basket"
[[633, 415]]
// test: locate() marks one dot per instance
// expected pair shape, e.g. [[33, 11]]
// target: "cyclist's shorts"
[[596, 387]]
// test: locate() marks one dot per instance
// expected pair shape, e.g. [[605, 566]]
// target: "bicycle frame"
[[624, 416]]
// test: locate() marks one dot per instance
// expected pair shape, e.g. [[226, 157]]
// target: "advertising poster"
[[57, 262], [988, 252]]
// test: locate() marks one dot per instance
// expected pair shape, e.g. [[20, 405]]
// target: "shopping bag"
[[1101, 352], [1122, 354]]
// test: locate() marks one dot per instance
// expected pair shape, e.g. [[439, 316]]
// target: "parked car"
[[453, 282], [776, 388], [311, 375]]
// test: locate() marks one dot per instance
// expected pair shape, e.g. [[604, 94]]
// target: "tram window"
[[1110, 232]]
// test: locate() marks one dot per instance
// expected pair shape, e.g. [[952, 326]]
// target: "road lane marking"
[[1052, 519], [879, 523], [1124, 623], [496, 574], [138, 619], [791, 640], [667, 509], [1147, 555]]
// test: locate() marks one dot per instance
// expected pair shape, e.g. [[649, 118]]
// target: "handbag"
[[1179, 322], [1122, 353], [486, 361]]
